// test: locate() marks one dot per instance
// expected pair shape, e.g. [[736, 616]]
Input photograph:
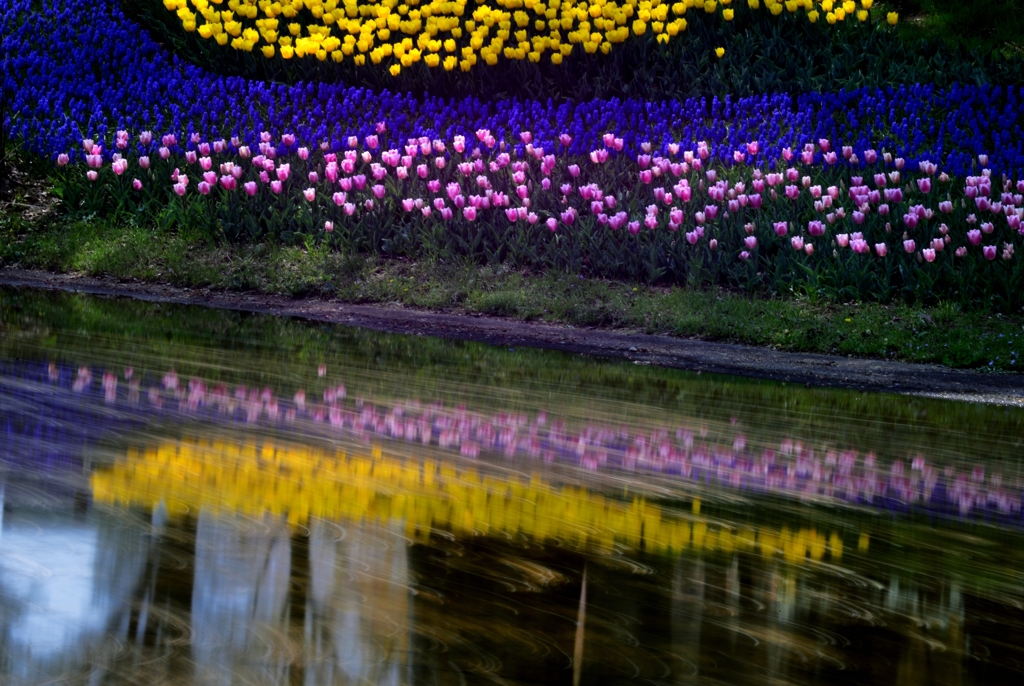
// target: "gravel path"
[[692, 355]]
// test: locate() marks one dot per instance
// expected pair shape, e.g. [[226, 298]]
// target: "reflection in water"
[[425, 512]]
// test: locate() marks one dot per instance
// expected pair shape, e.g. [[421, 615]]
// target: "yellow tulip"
[[710, 6], [221, 38], [812, 16], [830, 18], [862, 15], [268, 51], [727, 14], [287, 52], [449, 62], [395, 69], [866, 4], [556, 58], [892, 18], [639, 27], [754, 4], [719, 52]]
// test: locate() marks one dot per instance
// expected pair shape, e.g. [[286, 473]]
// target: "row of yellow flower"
[[448, 33], [298, 482]]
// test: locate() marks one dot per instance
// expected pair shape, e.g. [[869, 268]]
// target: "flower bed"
[[605, 187]]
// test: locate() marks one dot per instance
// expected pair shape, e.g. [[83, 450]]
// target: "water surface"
[[206, 497]]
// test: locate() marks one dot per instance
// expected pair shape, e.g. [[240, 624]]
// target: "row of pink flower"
[[422, 163]]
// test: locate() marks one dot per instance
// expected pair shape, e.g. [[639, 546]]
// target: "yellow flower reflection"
[[297, 482]]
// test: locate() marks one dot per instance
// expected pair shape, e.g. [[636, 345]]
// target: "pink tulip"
[[552, 224], [250, 188], [288, 139], [63, 159], [368, 204], [842, 239], [92, 175], [228, 182], [210, 178], [276, 186], [469, 212], [881, 249], [909, 245], [928, 254], [692, 237], [750, 242], [204, 188], [744, 255], [179, 189], [359, 181], [328, 226], [797, 242], [924, 185], [989, 252], [136, 184], [781, 228], [349, 209], [815, 228], [378, 191]]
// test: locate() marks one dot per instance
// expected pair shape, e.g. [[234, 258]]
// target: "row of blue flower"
[[75, 70]]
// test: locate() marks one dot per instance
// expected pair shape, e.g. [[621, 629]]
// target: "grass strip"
[[946, 333]]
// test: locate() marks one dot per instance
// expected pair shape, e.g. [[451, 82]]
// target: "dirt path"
[[690, 355]]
